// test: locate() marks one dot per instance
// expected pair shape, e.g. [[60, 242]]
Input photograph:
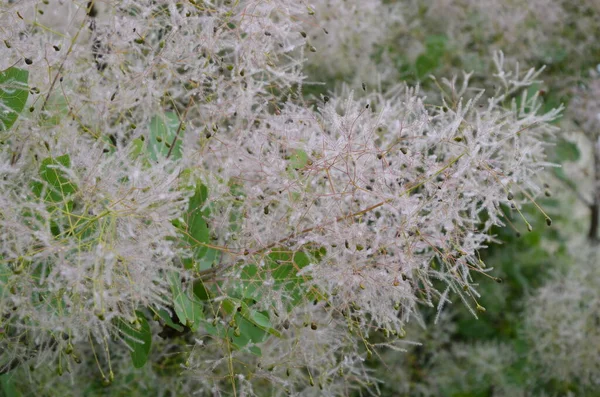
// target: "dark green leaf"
[[139, 339], [166, 318]]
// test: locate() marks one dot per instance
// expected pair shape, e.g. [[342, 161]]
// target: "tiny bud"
[[547, 193], [312, 49], [480, 308], [364, 86], [529, 228], [303, 34], [313, 326], [28, 61], [548, 221], [509, 196]]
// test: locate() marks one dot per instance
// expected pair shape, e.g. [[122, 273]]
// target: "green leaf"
[[8, 387], [196, 233], [188, 310], [163, 130], [13, 95], [257, 319], [58, 186], [166, 318], [298, 159], [139, 340], [200, 290]]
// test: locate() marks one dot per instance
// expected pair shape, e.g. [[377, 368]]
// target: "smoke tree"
[[173, 206]]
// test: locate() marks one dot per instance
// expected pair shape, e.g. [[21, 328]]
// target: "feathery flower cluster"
[[562, 323], [167, 164]]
